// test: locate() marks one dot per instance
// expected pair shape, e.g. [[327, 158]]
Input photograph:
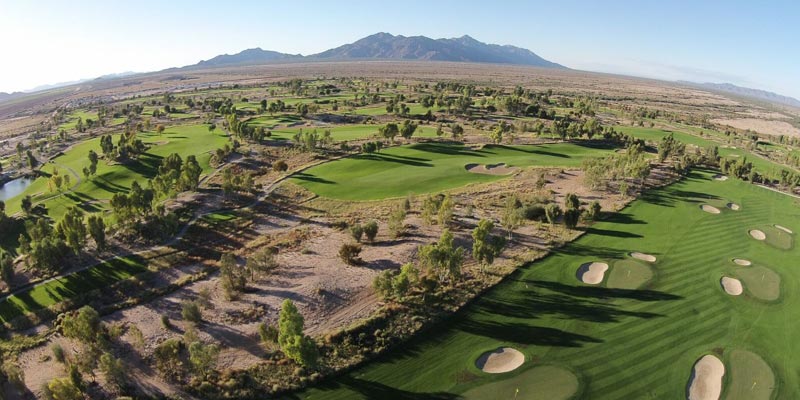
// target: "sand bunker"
[[785, 229], [498, 361], [757, 234], [733, 206], [732, 286], [719, 177], [592, 273], [706, 380], [491, 169], [710, 209], [643, 256], [742, 262]]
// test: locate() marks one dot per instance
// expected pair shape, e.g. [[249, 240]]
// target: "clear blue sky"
[[744, 42]]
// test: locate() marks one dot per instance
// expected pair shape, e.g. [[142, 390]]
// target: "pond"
[[14, 187]]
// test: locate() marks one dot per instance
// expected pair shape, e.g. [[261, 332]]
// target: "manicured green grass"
[[621, 344], [429, 167], [540, 383], [760, 282], [55, 291], [751, 377], [348, 132], [270, 121], [629, 274], [112, 178], [72, 119], [777, 237]]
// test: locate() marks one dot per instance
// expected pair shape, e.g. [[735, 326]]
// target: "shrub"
[[280, 166], [370, 230], [165, 322], [58, 353], [534, 212], [190, 311], [349, 253], [357, 231]]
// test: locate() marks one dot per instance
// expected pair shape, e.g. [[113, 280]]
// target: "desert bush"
[[190, 311], [349, 253]]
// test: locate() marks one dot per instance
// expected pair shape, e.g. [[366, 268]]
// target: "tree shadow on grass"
[[525, 334], [448, 149], [391, 158], [603, 293], [612, 233], [533, 151], [312, 178], [374, 390]]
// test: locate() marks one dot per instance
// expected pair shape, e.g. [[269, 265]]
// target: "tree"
[[63, 389], [32, 161], [291, 339], [84, 325], [407, 129], [443, 258], [93, 157], [445, 213], [261, 262], [389, 131], [485, 246], [26, 204], [593, 213], [571, 217], [160, 129], [231, 277], [97, 230], [114, 370], [72, 230], [571, 202], [396, 222], [370, 230], [203, 357], [512, 216], [552, 212], [6, 268]]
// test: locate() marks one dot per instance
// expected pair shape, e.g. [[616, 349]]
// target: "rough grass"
[[621, 344], [429, 167]]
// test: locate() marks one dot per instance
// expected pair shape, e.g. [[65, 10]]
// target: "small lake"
[[13, 188]]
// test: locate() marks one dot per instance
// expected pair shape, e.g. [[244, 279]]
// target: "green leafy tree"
[[389, 131], [97, 230], [446, 209], [357, 232], [203, 357], [64, 389], [114, 371], [190, 311], [26, 204], [370, 230], [83, 325], [443, 258], [291, 339], [407, 129], [6, 268], [511, 217], [232, 277], [72, 229], [485, 246]]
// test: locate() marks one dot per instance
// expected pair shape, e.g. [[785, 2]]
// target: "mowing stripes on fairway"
[[621, 343]]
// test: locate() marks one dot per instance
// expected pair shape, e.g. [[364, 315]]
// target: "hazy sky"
[[744, 42]]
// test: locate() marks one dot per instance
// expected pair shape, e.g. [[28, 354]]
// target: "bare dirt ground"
[[330, 294], [767, 127]]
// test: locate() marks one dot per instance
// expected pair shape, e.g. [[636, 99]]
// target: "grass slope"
[[621, 344], [341, 133], [91, 194], [429, 167]]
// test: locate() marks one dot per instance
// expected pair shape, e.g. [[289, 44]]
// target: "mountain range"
[[385, 46], [757, 94]]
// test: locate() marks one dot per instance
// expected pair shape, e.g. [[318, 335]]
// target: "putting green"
[[538, 383], [620, 343], [761, 282], [777, 237], [629, 274], [429, 167], [751, 378]]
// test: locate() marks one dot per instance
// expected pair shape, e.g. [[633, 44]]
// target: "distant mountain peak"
[[384, 45], [757, 94]]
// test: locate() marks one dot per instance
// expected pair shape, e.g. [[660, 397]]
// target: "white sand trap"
[[706, 380], [710, 209], [502, 360], [732, 286], [643, 256], [785, 229], [733, 206], [742, 262], [592, 273], [719, 177], [757, 234], [491, 169]]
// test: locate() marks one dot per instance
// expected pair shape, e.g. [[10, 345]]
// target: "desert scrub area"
[[364, 235]]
